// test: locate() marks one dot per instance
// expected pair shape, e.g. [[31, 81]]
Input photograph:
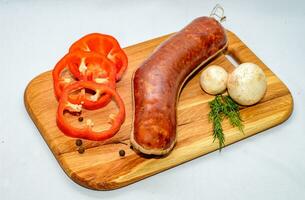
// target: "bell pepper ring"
[[87, 132], [105, 45], [88, 66], [91, 66], [59, 81]]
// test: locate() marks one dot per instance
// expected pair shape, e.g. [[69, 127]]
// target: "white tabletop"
[[34, 35]]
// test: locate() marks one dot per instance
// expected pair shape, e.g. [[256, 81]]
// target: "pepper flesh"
[[105, 45], [87, 66], [90, 66], [87, 132], [58, 81]]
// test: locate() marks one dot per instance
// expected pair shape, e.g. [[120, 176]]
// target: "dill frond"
[[221, 107]]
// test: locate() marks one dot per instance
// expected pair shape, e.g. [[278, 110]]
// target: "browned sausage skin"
[[157, 82]]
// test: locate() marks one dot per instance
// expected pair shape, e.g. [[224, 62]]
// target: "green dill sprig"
[[221, 107], [216, 116], [231, 110]]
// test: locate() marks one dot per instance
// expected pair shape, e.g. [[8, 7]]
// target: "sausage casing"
[[157, 82]]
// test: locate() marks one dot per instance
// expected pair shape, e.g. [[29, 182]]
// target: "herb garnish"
[[221, 107]]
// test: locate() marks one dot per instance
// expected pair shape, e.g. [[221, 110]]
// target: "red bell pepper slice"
[[87, 132], [85, 66], [105, 45], [59, 80], [91, 66]]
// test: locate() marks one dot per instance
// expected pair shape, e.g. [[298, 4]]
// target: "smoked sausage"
[[159, 79]]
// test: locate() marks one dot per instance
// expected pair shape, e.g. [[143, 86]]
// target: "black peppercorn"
[[78, 142], [81, 149], [122, 153], [80, 119]]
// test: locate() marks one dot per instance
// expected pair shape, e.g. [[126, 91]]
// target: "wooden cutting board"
[[101, 167]]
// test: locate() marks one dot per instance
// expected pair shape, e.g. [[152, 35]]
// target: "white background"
[[34, 35]]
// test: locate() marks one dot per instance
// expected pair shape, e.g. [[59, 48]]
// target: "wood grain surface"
[[101, 167]]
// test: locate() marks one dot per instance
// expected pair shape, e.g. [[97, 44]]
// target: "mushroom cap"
[[213, 80], [247, 84]]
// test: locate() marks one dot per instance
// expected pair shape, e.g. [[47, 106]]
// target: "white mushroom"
[[213, 80], [247, 84]]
